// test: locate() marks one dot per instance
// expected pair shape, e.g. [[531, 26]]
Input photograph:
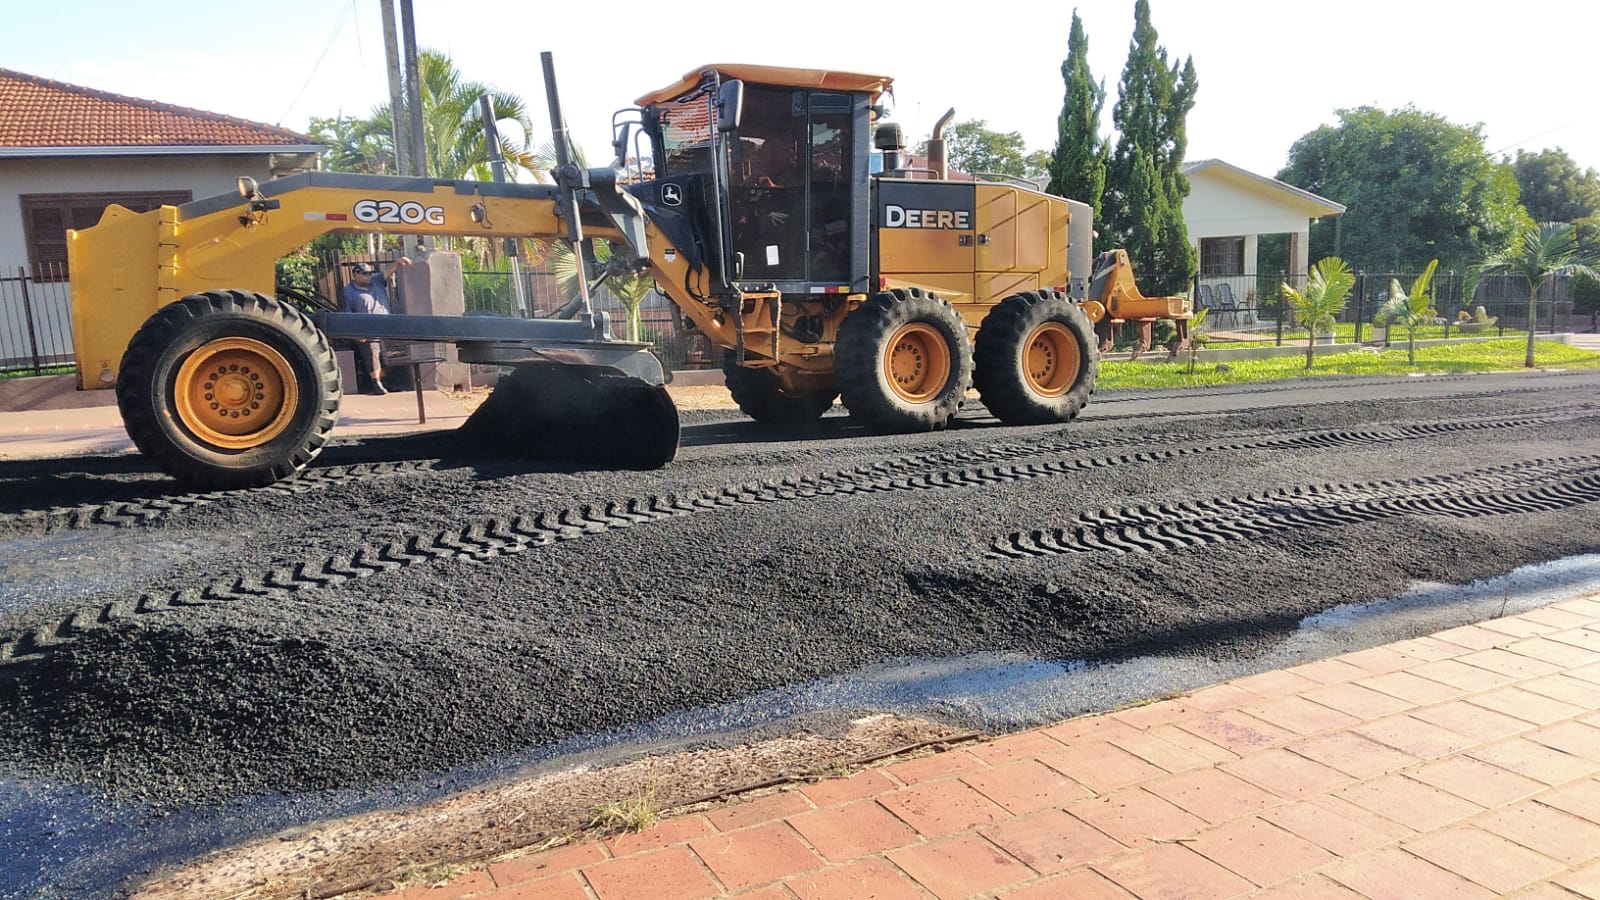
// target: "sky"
[[1269, 71]]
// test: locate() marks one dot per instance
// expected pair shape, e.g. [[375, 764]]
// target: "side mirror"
[[247, 187], [619, 144], [730, 105]]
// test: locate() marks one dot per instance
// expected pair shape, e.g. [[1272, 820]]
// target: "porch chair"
[[1228, 303], [1225, 303]]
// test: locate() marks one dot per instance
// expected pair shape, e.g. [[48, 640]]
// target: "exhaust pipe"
[[892, 142], [938, 160]]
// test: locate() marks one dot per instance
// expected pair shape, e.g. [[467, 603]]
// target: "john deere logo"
[[671, 195], [900, 217]]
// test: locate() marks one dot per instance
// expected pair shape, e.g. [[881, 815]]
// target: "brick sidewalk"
[[1464, 764]]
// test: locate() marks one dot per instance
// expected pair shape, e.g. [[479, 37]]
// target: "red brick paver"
[[961, 866], [1464, 764], [852, 831]]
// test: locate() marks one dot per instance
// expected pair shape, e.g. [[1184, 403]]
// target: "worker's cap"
[[364, 269]]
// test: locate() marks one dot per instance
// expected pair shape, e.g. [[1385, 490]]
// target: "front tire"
[[903, 362], [761, 397], [1035, 359], [229, 389]]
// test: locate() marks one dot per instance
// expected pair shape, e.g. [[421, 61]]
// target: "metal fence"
[[537, 292], [513, 289], [35, 322], [1250, 306]]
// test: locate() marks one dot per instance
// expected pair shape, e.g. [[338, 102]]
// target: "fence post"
[[27, 311], [1277, 319], [1361, 303]]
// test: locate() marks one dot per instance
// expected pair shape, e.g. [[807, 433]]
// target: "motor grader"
[[757, 208]]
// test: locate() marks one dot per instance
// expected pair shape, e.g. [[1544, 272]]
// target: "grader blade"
[[577, 414]]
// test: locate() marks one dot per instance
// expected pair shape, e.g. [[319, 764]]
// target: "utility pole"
[[398, 122], [408, 32]]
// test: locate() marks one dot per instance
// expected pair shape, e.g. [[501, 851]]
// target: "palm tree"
[[452, 129], [1327, 289], [1413, 308], [1198, 335], [630, 290], [1537, 253]]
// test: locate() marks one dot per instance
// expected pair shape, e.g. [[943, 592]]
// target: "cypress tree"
[[1153, 103], [1078, 166]]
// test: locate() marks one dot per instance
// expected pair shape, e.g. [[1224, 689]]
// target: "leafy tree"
[[1145, 188], [1417, 186], [1327, 289], [972, 147], [1037, 164], [354, 145], [1554, 189], [1078, 166], [1413, 308], [1539, 252]]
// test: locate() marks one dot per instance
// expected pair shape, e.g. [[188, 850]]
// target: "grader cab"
[[750, 195]]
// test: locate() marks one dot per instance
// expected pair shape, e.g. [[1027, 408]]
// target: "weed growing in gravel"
[[1502, 355], [839, 769], [433, 875], [634, 814]]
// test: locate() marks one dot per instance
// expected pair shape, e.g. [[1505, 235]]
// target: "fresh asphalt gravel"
[[413, 607]]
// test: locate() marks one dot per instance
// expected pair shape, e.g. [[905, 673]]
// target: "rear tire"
[[761, 397], [903, 362], [1035, 359], [229, 389]]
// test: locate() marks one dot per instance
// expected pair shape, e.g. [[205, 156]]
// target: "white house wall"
[[1217, 208], [205, 176]]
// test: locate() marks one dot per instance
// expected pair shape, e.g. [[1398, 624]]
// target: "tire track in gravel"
[[484, 539], [145, 511], [1538, 485]]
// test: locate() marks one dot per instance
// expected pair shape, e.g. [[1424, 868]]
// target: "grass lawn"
[[29, 373], [1505, 354]]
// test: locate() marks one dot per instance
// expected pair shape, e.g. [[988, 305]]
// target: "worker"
[[366, 294]]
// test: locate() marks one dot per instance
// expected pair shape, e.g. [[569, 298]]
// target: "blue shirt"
[[374, 298]]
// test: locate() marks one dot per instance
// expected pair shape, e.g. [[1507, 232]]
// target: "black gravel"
[[174, 651]]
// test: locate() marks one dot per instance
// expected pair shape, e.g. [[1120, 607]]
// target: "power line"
[[1534, 138], [337, 27]]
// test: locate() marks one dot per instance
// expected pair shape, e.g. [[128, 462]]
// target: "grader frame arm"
[[133, 264], [226, 385]]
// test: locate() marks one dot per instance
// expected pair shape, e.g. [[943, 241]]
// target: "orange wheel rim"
[[917, 365], [1050, 359], [236, 393]]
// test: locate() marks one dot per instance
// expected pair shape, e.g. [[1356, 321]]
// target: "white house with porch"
[[1227, 211]]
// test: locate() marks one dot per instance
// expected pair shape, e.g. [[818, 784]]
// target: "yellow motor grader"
[[760, 209]]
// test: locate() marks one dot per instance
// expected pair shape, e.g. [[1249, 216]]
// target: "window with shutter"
[[46, 218]]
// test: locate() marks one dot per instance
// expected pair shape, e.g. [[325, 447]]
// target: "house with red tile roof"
[[66, 151]]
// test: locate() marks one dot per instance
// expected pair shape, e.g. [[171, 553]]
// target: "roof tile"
[[38, 112]]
